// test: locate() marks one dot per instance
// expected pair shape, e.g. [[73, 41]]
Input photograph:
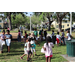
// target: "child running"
[[58, 37], [28, 49], [48, 49], [33, 47], [25, 49]]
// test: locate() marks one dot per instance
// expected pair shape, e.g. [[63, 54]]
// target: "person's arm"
[[25, 46], [44, 48], [52, 45], [36, 41]]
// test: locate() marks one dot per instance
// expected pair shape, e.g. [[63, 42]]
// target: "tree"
[[19, 20], [44, 15], [8, 16], [59, 16], [35, 20]]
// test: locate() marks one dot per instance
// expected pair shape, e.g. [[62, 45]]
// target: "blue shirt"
[[8, 36]]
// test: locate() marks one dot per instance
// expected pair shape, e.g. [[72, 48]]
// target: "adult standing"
[[2, 41], [8, 40]]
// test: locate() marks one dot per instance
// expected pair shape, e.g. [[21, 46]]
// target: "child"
[[8, 40], [25, 36], [68, 35], [2, 39], [63, 38], [29, 35], [52, 32], [19, 36], [33, 47], [58, 37], [25, 49], [28, 49], [48, 49]]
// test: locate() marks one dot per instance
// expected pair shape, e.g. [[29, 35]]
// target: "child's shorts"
[[29, 52], [49, 56], [25, 51], [57, 40]]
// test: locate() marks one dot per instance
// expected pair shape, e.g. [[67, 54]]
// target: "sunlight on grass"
[[17, 50]]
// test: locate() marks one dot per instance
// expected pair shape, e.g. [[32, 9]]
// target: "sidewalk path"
[[70, 59]]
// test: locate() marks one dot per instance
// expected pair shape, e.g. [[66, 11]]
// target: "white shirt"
[[48, 51], [69, 38], [28, 46], [2, 36], [25, 45], [58, 36]]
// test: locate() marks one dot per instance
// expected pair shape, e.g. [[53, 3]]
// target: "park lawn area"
[[17, 50]]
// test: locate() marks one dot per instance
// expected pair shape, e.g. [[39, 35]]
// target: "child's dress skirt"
[[8, 41], [48, 56]]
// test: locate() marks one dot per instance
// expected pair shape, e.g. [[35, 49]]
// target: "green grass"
[[17, 50]]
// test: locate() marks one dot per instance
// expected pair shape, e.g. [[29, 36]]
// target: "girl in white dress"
[[48, 49]]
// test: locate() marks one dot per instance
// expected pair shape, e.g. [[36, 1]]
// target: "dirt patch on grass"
[[14, 35]]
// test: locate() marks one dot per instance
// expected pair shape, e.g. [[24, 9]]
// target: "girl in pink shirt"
[[48, 49]]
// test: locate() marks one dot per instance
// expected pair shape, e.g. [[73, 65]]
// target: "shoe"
[[27, 60], [21, 58]]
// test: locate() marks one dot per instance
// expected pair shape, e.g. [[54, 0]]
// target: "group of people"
[[31, 39], [5, 39], [29, 46], [61, 39]]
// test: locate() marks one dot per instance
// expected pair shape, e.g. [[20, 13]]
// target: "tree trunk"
[[49, 28], [9, 21], [60, 24]]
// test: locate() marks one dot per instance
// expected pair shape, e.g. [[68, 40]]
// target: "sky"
[[29, 13]]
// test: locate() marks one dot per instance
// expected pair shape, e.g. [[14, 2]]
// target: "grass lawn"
[[17, 50]]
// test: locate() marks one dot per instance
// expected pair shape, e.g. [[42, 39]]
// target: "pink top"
[[48, 51], [8, 28], [19, 33]]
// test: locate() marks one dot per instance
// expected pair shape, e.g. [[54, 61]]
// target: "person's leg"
[[1, 48], [64, 40], [28, 55], [23, 56], [49, 59], [46, 58], [8, 48], [34, 51]]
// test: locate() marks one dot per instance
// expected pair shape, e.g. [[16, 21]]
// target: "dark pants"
[[19, 38], [53, 39], [63, 39]]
